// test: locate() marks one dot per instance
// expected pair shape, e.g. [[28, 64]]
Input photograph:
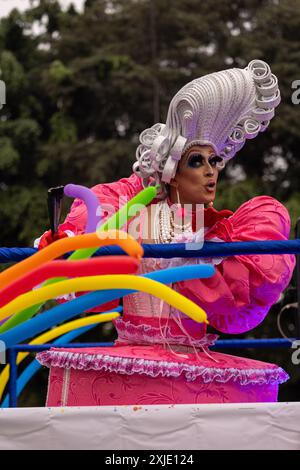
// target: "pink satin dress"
[[161, 355]]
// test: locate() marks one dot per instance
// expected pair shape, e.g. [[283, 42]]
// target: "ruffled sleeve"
[[239, 295]]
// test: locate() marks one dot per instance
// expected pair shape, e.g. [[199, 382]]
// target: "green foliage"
[[26, 133], [293, 206], [8, 156], [232, 195], [58, 72], [12, 72], [63, 129]]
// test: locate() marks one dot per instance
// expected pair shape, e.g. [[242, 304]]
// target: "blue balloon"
[[66, 311], [34, 366]]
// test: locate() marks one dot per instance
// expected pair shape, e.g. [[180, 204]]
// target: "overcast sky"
[[7, 5]]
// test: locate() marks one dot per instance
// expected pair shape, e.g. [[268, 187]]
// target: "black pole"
[[55, 196], [298, 282]]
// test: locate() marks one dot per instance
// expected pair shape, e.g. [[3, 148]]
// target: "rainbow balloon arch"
[[105, 260]]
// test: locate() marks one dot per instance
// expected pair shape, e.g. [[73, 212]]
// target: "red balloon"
[[68, 268]]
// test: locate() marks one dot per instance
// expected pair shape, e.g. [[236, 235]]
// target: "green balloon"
[[115, 222]]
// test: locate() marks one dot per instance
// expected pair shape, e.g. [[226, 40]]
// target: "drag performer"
[[162, 356]]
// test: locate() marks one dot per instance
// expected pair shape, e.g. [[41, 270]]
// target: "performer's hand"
[[48, 238]]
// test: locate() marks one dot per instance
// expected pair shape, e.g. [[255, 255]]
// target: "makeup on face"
[[197, 175], [196, 160]]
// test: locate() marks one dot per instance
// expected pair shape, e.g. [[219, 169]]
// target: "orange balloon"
[[65, 245], [58, 268]]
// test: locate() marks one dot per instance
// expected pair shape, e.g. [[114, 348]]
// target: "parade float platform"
[[267, 426]]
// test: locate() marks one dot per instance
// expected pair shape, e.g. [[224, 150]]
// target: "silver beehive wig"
[[221, 109]]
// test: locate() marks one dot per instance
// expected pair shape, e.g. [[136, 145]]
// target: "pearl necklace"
[[165, 227]]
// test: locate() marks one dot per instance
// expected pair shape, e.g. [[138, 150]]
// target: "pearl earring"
[[180, 211], [178, 198]]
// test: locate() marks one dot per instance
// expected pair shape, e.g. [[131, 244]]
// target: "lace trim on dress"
[[145, 334], [130, 366]]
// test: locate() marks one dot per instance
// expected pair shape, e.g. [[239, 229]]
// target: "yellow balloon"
[[49, 335], [60, 247], [112, 281]]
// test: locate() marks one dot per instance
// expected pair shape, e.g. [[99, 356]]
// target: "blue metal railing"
[[220, 344], [30, 348], [181, 250]]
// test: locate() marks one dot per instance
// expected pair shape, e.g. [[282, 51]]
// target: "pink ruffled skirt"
[[146, 375]]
